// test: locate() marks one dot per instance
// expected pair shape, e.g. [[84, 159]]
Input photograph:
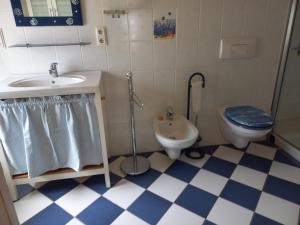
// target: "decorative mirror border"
[[22, 21]]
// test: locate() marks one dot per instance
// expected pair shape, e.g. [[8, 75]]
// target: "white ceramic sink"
[[48, 81]]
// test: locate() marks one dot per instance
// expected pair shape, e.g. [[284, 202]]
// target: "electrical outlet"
[[2, 39], [101, 36]]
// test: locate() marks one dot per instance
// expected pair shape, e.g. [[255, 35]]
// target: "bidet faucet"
[[170, 113], [53, 70]]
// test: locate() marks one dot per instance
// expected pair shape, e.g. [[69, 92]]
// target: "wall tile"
[[233, 17], [66, 34], [211, 18], [39, 35], [164, 83], [114, 4], [94, 57], [187, 53], [140, 24], [17, 60], [42, 58], [118, 56], [164, 54], [255, 12], [188, 19], [116, 84], [146, 140], [143, 82], [119, 133], [165, 4], [13, 35], [5, 5], [141, 4], [141, 55], [69, 59], [117, 28], [90, 12]]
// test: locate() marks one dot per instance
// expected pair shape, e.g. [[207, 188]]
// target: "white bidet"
[[175, 135]]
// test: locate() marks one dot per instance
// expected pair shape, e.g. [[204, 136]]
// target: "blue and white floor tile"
[[258, 185]]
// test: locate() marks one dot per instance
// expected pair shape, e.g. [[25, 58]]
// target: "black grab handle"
[[189, 90]]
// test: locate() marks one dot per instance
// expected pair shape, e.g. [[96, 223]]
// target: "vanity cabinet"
[[91, 84]]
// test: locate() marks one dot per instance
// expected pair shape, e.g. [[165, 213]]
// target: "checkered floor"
[[259, 186]]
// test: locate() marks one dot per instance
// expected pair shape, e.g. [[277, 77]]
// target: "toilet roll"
[[196, 96]]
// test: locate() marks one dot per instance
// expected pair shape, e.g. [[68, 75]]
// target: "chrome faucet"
[[53, 70], [170, 113]]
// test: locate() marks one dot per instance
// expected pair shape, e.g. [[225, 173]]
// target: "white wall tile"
[[119, 139], [165, 4], [114, 4], [117, 28], [187, 53], [90, 12], [118, 56], [143, 81], [141, 55], [66, 34], [116, 84], [5, 5], [141, 4], [164, 54], [233, 17], [17, 60], [42, 58], [39, 35], [211, 18], [69, 59], [94, 58], [13, 35], [188, 19], [164, 83], [140, 24]]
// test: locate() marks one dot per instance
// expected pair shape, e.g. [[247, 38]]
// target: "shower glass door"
[[287, 122]]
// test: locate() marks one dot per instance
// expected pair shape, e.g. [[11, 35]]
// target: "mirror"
[[47, 12]]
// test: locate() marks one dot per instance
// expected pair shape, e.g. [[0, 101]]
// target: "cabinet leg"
[[107, 179], [13, 191]]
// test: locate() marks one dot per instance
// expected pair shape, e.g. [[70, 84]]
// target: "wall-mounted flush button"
[[101, 36], [2, 39]]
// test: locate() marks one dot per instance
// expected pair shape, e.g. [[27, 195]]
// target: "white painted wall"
[[161, 68]]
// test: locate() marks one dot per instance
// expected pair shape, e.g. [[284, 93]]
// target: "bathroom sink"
[[48, 81]]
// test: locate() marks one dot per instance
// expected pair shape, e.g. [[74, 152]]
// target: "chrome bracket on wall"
[[116, 13]]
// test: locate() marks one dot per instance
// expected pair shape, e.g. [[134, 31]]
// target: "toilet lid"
[[249, 117]]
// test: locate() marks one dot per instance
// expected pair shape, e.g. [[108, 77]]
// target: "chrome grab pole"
[[134, 165]]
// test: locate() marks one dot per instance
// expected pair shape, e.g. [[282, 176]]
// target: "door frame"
[[284, 56]]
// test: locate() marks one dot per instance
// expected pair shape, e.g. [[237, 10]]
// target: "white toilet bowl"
[[237, 135], [175, 134]]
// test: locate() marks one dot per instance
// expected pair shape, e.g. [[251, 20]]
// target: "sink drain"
[[173, 138]]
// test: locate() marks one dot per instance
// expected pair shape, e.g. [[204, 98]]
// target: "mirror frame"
[[22, 21]]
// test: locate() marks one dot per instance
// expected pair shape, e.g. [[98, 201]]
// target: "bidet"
[[175, 135]]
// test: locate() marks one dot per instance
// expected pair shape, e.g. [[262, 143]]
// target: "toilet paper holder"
[[194, 152], [189, 90]]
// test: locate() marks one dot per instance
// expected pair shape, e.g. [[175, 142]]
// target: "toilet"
[[242, 124], [174, 135]]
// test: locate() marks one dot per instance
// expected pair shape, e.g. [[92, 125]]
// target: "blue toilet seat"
[[249, 117]]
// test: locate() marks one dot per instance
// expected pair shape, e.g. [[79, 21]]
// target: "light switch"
[[101, 36], [237, 48], [2, 39]]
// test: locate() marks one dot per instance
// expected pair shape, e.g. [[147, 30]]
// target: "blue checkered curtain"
[[47, 133]]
